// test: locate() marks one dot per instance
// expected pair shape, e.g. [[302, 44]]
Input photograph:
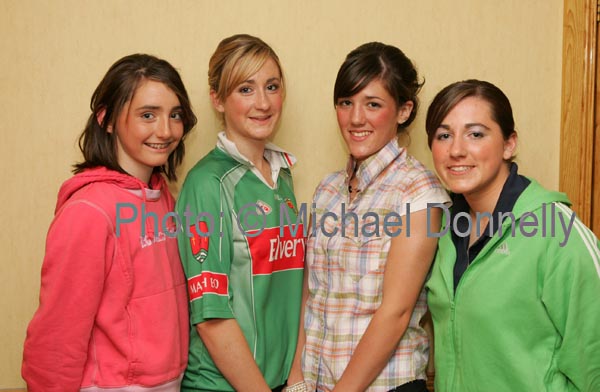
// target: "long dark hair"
[[114, 91]]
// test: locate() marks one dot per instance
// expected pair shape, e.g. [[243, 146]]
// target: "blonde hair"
[[236, 59]]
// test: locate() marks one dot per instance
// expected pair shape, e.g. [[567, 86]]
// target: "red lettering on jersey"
[[271, 252], [208, 283], [199, 243]]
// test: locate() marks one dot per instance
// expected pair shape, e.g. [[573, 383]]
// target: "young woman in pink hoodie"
[[113, 303]]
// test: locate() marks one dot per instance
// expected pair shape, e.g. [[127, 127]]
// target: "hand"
[[297, 387]]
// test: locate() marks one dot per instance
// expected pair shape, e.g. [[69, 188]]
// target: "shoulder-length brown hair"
[[99, 146]]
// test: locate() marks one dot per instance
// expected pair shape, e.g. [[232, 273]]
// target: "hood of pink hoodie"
[[104, 175]]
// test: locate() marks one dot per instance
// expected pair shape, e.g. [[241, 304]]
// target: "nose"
[[262, 101], [357, 115], [164, 130], [457, 147]]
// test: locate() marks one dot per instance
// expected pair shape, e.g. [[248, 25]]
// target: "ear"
[[510, 145], [404, 112], [216, 102], [100, 116]]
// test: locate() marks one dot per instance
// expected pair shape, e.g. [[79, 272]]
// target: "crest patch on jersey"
[[199, 243], [264, 207]]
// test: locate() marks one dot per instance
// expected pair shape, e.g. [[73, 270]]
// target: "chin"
[[261, 138], [458, 188], [262, 134], [360, 155]]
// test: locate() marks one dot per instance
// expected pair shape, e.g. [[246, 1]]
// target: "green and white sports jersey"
[[241, 261]]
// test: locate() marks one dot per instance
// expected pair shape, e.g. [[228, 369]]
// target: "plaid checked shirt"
[[346, 270]]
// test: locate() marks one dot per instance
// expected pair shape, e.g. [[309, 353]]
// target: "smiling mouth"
[[360, 133], [460, 169], [158, 146], [261, 118]]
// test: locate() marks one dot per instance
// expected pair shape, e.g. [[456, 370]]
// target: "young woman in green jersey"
[[244, 268]]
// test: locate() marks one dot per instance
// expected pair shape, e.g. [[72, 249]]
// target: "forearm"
[[408, 262], [374, 349], [296, 370], [230, 352], [570, 297]]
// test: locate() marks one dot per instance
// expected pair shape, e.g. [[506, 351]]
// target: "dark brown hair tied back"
[[378, 61], [451, 95]]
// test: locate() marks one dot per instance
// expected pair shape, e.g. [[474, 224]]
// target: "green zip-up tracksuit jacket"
[[525, 316]]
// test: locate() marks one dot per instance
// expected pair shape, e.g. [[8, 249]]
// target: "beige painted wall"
[[53, 54]]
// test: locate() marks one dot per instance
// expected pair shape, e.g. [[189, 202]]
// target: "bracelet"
[[297, 387]]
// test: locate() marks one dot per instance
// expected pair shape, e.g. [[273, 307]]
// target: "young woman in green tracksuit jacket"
[[515, 288]]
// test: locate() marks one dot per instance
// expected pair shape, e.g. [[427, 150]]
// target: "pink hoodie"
[[113, 309]]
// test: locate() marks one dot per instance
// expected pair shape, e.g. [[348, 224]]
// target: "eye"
[[373, 105], [477, 134], [176, 116], [147, 116], [245, 90], [273, 87], [343, 102], [442, 134]]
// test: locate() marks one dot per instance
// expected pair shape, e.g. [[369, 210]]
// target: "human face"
[[148, 129], [470, 153], [369, 119], [252, 110]]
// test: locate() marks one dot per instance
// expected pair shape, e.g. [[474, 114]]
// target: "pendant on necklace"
[[351, 189]]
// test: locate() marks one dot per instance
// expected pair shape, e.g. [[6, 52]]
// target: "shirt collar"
[[371, 167], [513, 187], [276, 156]]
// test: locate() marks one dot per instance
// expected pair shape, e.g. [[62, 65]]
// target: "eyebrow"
[[270, 80], [148, 107], [471, 125], [155, 107], [374, 97], [467, 125]]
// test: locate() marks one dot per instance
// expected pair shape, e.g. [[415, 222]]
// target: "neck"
[[143, 176], [486, 199], [357, 163], [252, 149]]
